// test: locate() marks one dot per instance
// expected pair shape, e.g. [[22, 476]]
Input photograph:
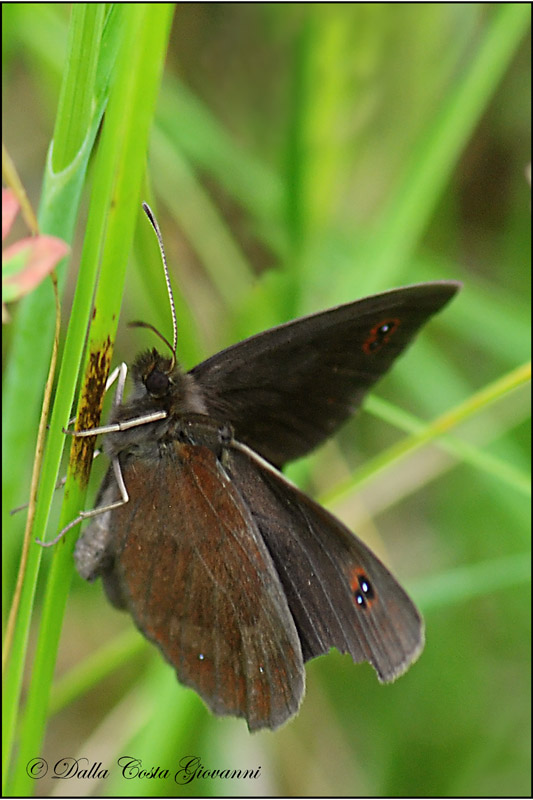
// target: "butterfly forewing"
[[289, 388], [199, 582]]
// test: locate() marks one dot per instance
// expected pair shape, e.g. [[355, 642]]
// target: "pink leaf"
[[33, 258]]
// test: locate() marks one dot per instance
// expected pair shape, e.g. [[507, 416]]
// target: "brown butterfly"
[[235, 574]]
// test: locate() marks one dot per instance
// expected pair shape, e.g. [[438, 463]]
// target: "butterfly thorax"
[[158, 385]]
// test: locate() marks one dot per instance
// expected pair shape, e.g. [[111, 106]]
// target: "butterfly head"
[[157, 373], [159, 383]]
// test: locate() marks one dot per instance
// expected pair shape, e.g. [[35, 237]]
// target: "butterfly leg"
[[95, 512], [91, 553]]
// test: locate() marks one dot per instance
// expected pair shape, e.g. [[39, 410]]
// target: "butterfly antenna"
[[148, 211], [157, 333]]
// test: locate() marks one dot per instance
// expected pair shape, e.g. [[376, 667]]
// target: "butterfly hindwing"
[[339, 593]]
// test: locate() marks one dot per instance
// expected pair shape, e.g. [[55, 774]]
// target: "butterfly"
[[234, 573]]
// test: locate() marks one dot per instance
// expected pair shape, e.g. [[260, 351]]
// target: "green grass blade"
[[123, 147]]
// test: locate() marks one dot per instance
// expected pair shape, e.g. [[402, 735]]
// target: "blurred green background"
[[301, 156]]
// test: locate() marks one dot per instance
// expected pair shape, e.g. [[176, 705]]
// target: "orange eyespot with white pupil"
[[363, 593], [380, 335]]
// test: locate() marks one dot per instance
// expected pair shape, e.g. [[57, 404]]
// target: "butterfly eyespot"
[[201, 656], [380, 335], [157, 383], [363, 592]]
